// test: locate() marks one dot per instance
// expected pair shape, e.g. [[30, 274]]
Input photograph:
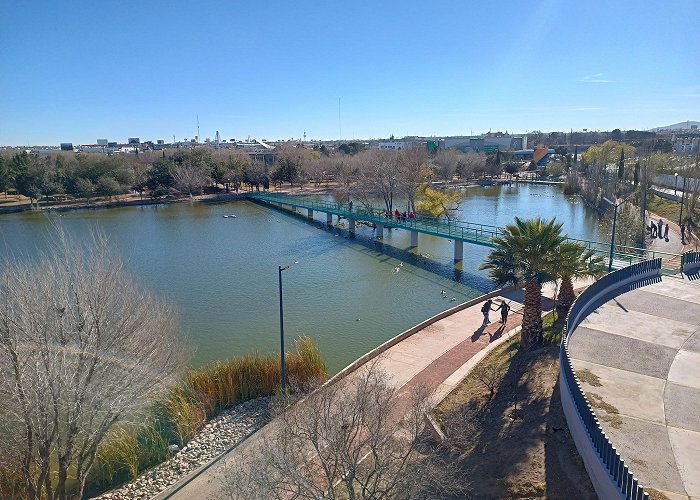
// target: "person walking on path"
[[661, 228], [652, 227], [350, 205], [666, 233], [504, 308], [683, 234], [486, 309]]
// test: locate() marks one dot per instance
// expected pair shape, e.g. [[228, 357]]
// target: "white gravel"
[[229, 428]]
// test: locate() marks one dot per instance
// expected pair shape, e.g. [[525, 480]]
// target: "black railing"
[[595, 295]]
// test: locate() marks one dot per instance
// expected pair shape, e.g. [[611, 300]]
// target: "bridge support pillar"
[[414, 239], [310, 213], [329, 218], [380, 231], [459, 250], [351, 223]]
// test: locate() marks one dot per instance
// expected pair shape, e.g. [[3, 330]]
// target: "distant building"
[[102, 142], [134, 140], [395, 145], [540, 155], [486, 143], [66, 146], [686, 144]]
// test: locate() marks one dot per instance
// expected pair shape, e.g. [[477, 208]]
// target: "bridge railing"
[[443, 227], [609, 474], [462, 230]]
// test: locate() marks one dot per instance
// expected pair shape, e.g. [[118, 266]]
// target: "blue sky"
[[78, 71]]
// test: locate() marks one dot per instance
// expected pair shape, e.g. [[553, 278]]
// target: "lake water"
[[222, 273]]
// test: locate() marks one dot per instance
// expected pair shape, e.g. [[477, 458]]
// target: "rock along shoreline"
[[220, 434]]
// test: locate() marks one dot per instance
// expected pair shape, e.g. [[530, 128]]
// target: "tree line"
[[386, 174]]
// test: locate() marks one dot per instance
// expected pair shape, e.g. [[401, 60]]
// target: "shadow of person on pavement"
[[477, 333], [497, 334]]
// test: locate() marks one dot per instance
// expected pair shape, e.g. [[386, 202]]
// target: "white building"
[[686, 144]]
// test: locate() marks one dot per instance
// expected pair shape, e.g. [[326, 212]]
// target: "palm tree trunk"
[[532, 314], [566, 296]]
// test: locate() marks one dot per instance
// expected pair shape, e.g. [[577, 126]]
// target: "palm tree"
[[575, 262], [526, 255]]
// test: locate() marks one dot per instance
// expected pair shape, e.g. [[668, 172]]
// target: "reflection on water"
[[344, 291]]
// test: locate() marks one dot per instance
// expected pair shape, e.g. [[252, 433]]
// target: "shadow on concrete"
[[693, 276]]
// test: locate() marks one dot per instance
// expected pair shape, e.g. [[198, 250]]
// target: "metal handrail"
[[473, 232], [627, 484]]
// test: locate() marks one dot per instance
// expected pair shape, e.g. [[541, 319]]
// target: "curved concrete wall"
[[610, 476]]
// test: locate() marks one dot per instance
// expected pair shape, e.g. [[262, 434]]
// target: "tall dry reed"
[[203, 393]]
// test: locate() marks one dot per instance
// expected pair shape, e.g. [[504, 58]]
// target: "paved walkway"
[[638, 358], [436, 357]]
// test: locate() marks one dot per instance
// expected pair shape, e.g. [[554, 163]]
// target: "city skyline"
[[277, 71]]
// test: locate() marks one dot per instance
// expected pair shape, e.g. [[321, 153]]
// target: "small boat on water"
[[225, 216]]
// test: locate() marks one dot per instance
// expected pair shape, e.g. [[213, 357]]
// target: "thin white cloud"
[[597, 78]]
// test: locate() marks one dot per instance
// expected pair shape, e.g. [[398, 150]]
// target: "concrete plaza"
[[638, 358]]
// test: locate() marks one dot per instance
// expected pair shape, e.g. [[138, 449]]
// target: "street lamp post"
[[282, 361], [612, 238], [675, 184], [680, 217]]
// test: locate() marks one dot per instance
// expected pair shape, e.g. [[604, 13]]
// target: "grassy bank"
[[668, 209], [180, 414]]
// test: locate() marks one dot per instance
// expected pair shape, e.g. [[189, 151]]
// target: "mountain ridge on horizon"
[[677, 126]]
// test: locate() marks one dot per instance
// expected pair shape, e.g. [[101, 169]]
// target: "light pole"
[[612, 238], [282, 364], [675, 184], [680, 217]]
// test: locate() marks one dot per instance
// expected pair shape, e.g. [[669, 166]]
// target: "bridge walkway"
[[459, 231]]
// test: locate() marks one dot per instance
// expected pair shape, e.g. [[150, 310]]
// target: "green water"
[[344, 292]]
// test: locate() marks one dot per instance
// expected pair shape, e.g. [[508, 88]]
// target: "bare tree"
[[317, 168], [346, 170], [414, 170], [490, 375], [191, 176], [379, 176], [447, 161], [82, 348], [346, 440], [472, 164]]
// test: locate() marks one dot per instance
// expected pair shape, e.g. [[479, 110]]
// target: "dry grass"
[[611, 414], [515, 453], [588, 377], [202, 394]]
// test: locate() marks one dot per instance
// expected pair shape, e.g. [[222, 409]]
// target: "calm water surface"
[[344, 292]]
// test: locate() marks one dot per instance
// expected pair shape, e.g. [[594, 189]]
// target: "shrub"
[[202, 394]]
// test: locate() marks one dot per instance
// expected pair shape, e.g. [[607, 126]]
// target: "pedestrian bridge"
[[458, 231]]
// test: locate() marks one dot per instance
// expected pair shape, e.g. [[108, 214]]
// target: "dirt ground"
[[515, 444]]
